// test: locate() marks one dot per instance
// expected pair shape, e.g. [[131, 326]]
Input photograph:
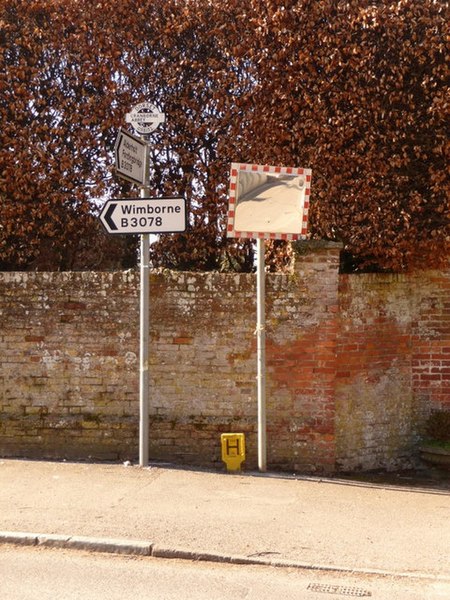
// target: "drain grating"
[[339, 589]]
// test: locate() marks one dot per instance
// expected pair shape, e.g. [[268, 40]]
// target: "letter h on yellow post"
[[233, 450]]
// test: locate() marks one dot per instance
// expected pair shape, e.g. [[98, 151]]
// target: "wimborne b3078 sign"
[[144, 215]]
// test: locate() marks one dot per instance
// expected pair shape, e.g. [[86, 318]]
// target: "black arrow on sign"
[[108, 216]]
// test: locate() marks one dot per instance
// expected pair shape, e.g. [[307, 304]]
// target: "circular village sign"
[[145, 117]]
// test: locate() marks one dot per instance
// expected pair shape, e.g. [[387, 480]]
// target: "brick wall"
[[353, 364], [430, 339], [69, 359], [203, 364], [302, 326], [393, 365]]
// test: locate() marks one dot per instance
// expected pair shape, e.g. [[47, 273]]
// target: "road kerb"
[[110, 545], [183, 554], [19, 538], [114, 546], [144, 548], [52, 540]]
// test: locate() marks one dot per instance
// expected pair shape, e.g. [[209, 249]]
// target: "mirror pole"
[[261, 354]]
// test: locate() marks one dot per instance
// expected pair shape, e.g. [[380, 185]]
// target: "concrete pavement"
[[163, 511]]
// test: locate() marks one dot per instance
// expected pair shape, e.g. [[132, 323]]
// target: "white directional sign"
[[144, 215], [130, 153], [145, 117]]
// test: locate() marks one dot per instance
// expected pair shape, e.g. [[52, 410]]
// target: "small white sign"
[[144, 215], [130, 155], [145, 117]]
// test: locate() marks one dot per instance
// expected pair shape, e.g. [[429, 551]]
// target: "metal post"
[[144, 336], [261, 352]]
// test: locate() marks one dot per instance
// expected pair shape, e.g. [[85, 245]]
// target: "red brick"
[[182, 340]]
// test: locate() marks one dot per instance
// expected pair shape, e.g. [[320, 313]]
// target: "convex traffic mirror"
[[269, 201]]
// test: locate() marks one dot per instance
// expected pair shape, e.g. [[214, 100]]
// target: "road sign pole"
[[132, 158], [261, 354], [144, 379]]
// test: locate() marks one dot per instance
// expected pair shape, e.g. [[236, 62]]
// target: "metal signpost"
[[144, 338], [143, 216], [144, 118], [266, 202], [261, 352]]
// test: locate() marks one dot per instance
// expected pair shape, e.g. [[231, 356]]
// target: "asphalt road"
[[45, 574]]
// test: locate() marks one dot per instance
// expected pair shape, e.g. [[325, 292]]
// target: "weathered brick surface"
[[204, 364], [430, 334], [302, 329], [69, 355], [354, 363], [393, 365]]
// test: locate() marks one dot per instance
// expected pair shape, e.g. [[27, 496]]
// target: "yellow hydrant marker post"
[[233, 450]]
